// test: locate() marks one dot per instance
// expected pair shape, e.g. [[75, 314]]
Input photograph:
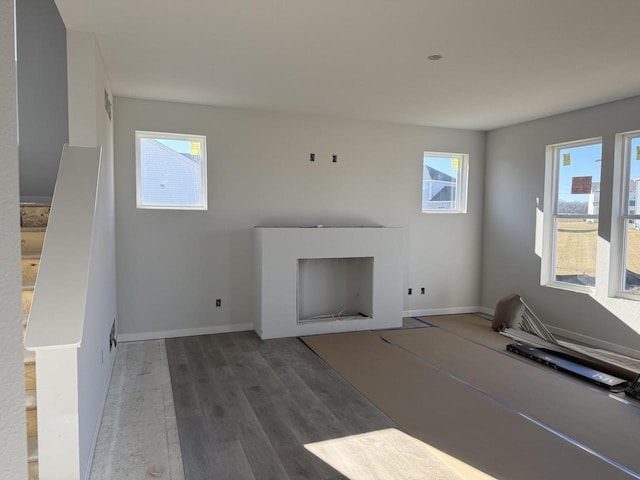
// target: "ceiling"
[[504, 61]]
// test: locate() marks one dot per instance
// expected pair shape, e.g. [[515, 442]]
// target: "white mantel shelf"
[[278, 250]]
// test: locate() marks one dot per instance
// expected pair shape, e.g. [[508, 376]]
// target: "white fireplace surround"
[[280, 251]]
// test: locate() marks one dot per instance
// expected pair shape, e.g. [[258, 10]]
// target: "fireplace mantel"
[[282, 251]]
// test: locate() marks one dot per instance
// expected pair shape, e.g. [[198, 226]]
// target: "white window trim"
[[552, 173], [462, 182], [623, 158], [203, 205]]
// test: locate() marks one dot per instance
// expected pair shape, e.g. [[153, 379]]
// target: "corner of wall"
[[13, 455]]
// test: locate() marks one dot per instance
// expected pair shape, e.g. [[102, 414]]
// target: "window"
[[572, 193], [171, 171], [630, 281], [444, 182]]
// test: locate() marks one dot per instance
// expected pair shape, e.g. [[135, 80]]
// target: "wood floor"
[[245, 408], [253, 409]]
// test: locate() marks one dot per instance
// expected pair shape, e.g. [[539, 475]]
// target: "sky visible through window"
[[634, 171], [180, 146], [444, 164], [582, 161]]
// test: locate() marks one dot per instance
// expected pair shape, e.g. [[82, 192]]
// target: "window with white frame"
[[630, 216], [444, 182], [572, 203], [171, 171]]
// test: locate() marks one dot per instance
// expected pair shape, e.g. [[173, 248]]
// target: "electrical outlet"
[[410, 292], [422, 291], [218, 302], [312, 157], [334, 158]]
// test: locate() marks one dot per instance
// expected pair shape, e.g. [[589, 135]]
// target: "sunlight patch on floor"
[[391, 454]]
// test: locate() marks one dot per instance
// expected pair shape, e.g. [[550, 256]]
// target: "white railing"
[[72, 313], [57, 312]]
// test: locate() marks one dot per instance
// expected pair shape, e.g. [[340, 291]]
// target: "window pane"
[[575, 250], [171, 170], [440, 180], [634, 176], [579, 180], [631, 281], [575, 220]]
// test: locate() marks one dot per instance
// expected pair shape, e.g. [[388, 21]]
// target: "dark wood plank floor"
[[245, 407]]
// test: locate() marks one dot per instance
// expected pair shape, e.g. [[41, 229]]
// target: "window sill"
[[630, 297], [443, 212], [172, 207], [571, 288]]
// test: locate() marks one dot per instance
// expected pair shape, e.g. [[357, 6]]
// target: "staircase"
[[33, 221]]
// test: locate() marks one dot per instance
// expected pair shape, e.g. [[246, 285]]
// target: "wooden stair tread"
[[32, 449], [29, 357], [29, 266], [33, 220], [31, 399], [31, 243], [33, 229]]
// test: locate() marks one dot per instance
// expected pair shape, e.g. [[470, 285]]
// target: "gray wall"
[[514, 180], [172, 265], [13, 454], [42, 95]]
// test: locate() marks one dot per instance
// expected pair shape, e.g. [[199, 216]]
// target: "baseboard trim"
[[594, 342], [187, 332], [487, 310], [568, 334], [442, 311]]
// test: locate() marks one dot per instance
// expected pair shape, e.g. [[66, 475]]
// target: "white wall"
[[13, 454], [172, 265], [514, 180], [42, 95], [73, 376], [91, 126]]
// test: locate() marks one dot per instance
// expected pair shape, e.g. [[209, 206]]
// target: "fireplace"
[[327, 279], [332, 289]]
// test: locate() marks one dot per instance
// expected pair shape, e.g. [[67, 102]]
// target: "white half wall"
[[90, 125], [13, 454], [73, 381], [172, 265], [513, 203]]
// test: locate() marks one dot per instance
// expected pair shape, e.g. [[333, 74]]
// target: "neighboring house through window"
[[444, 182], [171, 171]]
